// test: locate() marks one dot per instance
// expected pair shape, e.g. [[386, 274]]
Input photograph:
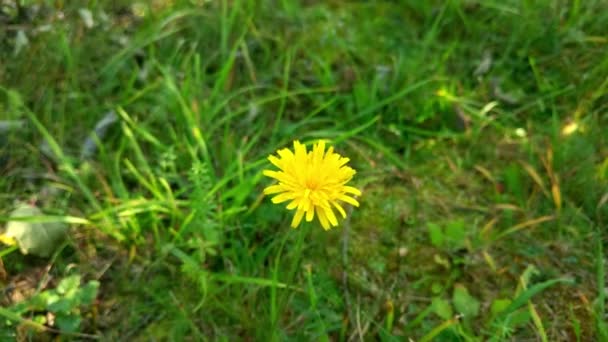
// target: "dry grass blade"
[[524, 225], [557, 194], [507, 207], [488, 227], [486, 173], [603, 201], [535, 176]]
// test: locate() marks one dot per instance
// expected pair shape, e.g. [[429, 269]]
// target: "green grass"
[[482, 217]]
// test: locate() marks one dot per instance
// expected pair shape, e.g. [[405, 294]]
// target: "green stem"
[[292, 269], [8, 251]]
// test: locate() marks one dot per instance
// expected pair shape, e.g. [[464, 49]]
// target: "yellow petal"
[[342, 161], [284, 197], [323, 203], [340, 209], [282, 177], [331, 216], [351, 190], [305, 204], [273, 174], [347, 172], [348, 200], [285, 153], [299, 149], [273, 189], [310, 213], [276, 161], [297, 218], [321, 199], [318, 150], [323, 219], [293, 204], [7, 240]]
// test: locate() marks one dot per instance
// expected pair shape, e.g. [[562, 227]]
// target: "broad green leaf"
[[499, 305], [455, 234], [59, 304], [436, 234], [36, 238], [68, 322], [464, 302], [88, 293], [68, 284], [442, 308]]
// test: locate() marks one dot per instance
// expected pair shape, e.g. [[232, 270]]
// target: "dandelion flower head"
[[313, 182]]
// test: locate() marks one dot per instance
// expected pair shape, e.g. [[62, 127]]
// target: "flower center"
[[311, 185]]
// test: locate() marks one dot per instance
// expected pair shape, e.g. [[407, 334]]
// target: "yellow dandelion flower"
[[313, 182]]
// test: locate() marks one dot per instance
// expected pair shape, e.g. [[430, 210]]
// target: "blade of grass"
[[523, 225], [64, 162], [532, 291], [600, 310], [438, 329], [312, 296], [47, 218]]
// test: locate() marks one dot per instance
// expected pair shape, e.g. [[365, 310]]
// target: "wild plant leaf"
[[526, 295], [36, 238], [499, 305], [58, 304], [87, 294], [464, 302], [436, 234], [455, 234], [442, 308], [68, 285], [68, 322]]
